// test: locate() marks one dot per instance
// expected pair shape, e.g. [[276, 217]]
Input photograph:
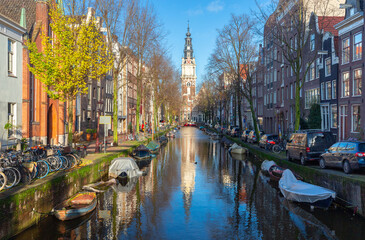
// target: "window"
[[357, 82], [345, 87], [323, 93], [325, 117], [356, 118], [345, 51], [311, 96], [334, 89], [291, 91], [11, 49], [11, 118], [358, 46], [328, 90], [312, 71], [334, 116], [313, 43], [328, 67], [282, 95]]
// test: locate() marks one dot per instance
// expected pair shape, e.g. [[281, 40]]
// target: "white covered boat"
[[299, 191], [266, 165], [235, 148], [124, 166]]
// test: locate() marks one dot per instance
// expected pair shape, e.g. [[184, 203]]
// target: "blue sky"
[[205, 17]]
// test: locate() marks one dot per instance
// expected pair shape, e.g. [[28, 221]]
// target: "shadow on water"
[[195, 189]]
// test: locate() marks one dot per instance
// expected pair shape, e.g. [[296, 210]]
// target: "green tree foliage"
[[74, 53]]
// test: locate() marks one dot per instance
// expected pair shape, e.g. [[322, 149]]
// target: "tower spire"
[[188, 50]]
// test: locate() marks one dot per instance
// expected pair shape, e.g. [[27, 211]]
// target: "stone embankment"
[[21, 206]]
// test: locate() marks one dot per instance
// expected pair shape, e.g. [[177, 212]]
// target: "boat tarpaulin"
[[266, 165], [153, 145], [296, 190], [124, 164]]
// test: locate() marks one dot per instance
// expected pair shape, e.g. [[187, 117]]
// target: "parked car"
[[252, 136], [245, 134], [346, 155], [268, 140], [308, 145], [235, 132]]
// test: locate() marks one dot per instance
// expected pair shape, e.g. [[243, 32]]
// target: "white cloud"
[[194, 12], [215, 6]]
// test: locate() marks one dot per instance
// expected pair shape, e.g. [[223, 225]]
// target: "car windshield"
[[319, 139], [273, 137], [362, 147]]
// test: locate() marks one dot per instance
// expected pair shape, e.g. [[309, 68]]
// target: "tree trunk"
[[297, 105], [154, 124], [115, 106], [253, 115], [70, 121], [239, 111], [138, 109]]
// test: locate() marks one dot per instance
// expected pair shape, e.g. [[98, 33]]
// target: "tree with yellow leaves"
[[75, 53]]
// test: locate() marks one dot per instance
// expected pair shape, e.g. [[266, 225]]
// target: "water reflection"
[[195, 189]]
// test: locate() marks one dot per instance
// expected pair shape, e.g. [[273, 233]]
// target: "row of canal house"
[[334, 79], [24, 103]]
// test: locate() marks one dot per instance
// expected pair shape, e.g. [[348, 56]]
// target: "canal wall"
[[23, 206], [350, 189]]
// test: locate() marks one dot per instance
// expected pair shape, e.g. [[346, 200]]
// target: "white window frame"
[[11, 57], [353, 83], [332, 119], [343, 92], [334, 90], [359, 56], [328, 90], [323, 91], [327, 73], [343, 52], [312, 42], [352, 117]]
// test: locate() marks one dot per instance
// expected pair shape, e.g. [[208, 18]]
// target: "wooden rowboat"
[[276, 172], [77, 206]]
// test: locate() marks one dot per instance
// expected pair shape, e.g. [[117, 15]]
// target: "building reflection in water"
[[188, 151]]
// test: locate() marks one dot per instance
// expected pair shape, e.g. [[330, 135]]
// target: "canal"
[[195, 190]]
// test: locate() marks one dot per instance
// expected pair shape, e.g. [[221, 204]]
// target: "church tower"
[[188, 79]]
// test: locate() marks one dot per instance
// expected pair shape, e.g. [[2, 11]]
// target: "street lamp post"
[[98, 108]]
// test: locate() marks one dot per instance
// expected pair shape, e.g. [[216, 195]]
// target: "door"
[[340, 154], [342, 122], [330, 157]]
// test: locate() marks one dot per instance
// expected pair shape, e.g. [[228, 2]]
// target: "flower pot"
[[88, 136]]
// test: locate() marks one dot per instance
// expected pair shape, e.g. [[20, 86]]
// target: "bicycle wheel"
[[78, 157], [64, 162], [11, 177], [72, 160], [43, 169], [276, 148], [2, 180], [18, 175], [54, 163]]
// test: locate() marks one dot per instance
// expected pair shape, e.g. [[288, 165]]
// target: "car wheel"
[[322, 163], [346, 167], [288, 156], [302, 159]]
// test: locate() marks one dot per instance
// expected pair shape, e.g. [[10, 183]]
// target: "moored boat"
[[235, 148], [124, 167], [77, 206], [141, 153], [276, 172], [153, 146], [299, 191], [163, 140], [170, 135]]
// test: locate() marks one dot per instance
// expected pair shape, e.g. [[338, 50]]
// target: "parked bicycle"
[[279, 147]]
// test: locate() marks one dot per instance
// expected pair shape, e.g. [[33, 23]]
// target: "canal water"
[[195, 190]]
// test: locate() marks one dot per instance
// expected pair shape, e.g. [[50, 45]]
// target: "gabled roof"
[[327, 23], [12, 9]]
